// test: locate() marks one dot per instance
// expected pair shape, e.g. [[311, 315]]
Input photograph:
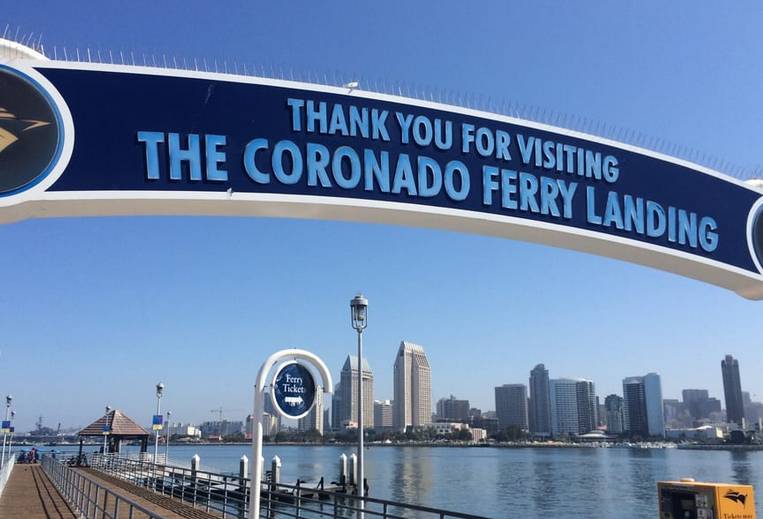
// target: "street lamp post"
[[159, 391], [167, 440], [10, 436], [106, 431], [8, 400], [359, 319]]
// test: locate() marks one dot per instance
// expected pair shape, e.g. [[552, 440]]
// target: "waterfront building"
[[511, 406], [222, 428], [698, 403], [573, 406], [642, 405], [382, 415], [452, 410], [412, 404], [313, 421], [182, 430], [613, 404], [487, 423], [478, 434], [676, 414], [732, 389], [348, 390], [564, 407], [271, 425], [442, 428], [275, 425], [540, 402], [703, 433]]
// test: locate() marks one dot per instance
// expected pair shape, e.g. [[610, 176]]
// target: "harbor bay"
[[500, 482]]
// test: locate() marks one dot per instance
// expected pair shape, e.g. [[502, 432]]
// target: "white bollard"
[[275, 471], [343, 469], [243, 467], [353, 468], [195, 464]]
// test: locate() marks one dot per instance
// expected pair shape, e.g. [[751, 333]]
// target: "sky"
[[95, 311]]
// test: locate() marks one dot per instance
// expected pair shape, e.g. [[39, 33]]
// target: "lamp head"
[[159, 390], [8, 400], [359, 312]]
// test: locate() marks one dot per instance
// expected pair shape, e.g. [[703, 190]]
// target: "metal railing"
[[5, 472], [90, 498], [228, 495]]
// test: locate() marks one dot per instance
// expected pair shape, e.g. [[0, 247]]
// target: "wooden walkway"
[[167, 507], [29, 494]]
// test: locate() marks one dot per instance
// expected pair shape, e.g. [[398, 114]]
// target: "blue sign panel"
[[293, 391], [135, 139], [5, 426]]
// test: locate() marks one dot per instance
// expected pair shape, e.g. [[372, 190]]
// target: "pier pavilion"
[[117, 427]]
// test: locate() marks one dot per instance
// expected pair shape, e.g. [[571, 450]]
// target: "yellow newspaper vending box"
[[689, 499]]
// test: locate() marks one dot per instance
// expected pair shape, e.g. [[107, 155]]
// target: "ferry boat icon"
[[293, 401]]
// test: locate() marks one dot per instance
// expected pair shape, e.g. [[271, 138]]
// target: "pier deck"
[[167, 507], [30, 494]]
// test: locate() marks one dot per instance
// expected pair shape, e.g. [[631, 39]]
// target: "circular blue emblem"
[[757, 234], [293, 392], [31, 132]]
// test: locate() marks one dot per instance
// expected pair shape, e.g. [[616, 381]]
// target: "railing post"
[[209, 489], [275, 472], [298, 502]]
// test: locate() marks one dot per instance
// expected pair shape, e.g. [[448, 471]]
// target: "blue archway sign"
[[80, 139], [293, 390]]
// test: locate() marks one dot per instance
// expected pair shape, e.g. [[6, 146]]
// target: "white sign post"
[[259, 410]]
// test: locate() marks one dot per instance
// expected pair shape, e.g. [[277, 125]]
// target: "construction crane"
[[219, 412]]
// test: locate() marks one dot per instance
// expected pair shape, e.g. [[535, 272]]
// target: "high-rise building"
[[642, 405], [573, 406], [348, 388], [732, 390], [337, 408], [313, 421], [588, 409], [382, 415], [614, 408], [563, 396], [540, 402], [275, 416], [511, 406], [412, 404], [453, 410]]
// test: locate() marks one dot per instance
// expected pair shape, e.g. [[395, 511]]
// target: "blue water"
[[494, 482]]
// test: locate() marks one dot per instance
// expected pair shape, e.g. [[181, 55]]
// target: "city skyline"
[[100, 309], [327, 404]]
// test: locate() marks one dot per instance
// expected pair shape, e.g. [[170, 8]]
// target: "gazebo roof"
[[119, 425]]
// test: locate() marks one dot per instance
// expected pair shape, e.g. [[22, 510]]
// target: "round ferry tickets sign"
[[293, 392]]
